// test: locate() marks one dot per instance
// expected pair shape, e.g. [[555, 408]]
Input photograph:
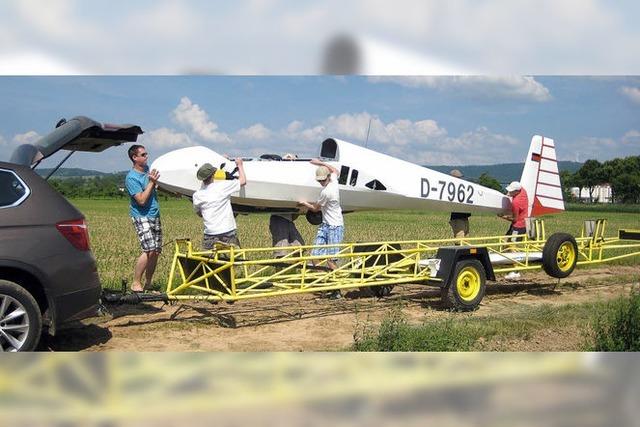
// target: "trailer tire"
[[382, 290], [466, 287], [560, 255]]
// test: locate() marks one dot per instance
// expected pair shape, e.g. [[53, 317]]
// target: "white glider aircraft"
[[368, 180]]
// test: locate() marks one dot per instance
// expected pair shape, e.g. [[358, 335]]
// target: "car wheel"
[[20, 318]]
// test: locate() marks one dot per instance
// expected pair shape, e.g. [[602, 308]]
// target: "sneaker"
[[512, 276], [333, 295]]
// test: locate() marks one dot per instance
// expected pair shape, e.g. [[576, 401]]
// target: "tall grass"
[[602, 207], [617, 326], [395, 334]]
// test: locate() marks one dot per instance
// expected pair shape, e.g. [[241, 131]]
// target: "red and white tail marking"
[[541, 178]]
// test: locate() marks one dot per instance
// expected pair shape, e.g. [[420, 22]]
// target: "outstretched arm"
[[319, 162], [311, 206], [241, 176]]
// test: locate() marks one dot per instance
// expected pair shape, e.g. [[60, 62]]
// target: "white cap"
[[514, 186]]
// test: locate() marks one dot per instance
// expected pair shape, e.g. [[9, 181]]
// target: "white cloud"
[[519, 87], [632, 93], [4, 149], [295, 126], [590, 147], [421, 141], [163, 138], [632, 136], [26, 138], [480, 146], [255, 132], [195, 119], [353, 127]]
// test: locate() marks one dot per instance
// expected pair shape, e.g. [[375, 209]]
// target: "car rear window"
[[12, 189]]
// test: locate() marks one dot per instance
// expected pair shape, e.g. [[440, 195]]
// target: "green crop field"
[[116, 247]]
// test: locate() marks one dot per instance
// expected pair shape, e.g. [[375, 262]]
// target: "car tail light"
[[76, 233]]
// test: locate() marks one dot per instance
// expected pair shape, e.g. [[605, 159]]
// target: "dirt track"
[[312, 323]]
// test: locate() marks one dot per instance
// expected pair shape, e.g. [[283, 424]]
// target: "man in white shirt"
[[213, 203], [331, 231]]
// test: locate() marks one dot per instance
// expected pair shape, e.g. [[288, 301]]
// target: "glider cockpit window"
[[354, 178], [329, 149], [344, 172], [375, 185]]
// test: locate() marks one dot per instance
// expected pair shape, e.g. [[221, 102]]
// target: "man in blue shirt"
[[145, 214]]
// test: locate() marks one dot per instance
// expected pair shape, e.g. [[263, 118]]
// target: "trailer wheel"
[[559, 255], [383, 290], [467, 286]]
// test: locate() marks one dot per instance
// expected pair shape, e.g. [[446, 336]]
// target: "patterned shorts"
[[229, 238], [149, 233], [328, 235]]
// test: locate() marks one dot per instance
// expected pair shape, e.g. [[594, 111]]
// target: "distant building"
[[601, 193]]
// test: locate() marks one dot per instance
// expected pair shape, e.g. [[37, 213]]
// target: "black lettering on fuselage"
[[425, 188]]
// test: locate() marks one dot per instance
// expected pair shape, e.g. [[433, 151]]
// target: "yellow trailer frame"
[[228, 273]]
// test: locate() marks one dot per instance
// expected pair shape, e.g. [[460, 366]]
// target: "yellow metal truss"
[[228, 273]]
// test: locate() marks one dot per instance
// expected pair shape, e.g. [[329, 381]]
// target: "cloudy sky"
[[413, 37], [426, 120]]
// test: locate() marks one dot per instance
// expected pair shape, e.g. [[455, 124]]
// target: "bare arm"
[[143, 197], [241, 176], [311, 206], [319, 162]]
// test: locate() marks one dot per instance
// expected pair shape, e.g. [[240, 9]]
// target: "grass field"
[[116, 247]]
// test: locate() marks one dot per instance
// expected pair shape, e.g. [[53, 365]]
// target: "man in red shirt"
[[519, 207], [519, 211]]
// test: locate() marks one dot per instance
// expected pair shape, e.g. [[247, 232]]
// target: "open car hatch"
[[77, 134]]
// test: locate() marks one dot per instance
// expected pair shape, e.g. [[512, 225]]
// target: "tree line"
[[622, 174], [106, 186]]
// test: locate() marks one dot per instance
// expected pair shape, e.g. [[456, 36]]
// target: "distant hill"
[[505, 172]]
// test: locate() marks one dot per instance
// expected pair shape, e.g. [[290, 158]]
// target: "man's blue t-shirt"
[[136, 182]]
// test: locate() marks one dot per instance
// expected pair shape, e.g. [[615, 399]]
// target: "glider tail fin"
[[541, 178]]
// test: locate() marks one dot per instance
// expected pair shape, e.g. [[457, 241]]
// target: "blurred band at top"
[[57, 37]]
